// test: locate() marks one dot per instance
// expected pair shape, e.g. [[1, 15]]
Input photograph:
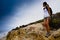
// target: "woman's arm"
[[49, 11]]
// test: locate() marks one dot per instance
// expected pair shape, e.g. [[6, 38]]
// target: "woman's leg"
[[48, 27], [45, 20], [46, 24]]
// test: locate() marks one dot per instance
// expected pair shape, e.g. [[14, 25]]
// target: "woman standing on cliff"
[[47, 16]]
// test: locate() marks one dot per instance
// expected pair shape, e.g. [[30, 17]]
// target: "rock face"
[[55, 35], [36, 31], [32, 32]]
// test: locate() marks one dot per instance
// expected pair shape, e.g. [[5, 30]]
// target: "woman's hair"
[[44, 3]]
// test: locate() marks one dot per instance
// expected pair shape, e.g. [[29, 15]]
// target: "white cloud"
[[27, 14], [32, 13]]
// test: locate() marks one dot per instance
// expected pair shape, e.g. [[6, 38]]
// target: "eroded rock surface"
[[33, 32]]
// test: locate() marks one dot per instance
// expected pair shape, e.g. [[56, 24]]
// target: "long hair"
[[46, 6]]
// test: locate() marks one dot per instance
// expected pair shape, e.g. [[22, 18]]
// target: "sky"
[[14, 13]]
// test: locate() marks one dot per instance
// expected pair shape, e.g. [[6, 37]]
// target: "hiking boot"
[[48, 34]]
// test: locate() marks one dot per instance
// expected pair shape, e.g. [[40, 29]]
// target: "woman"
[[47, 15]]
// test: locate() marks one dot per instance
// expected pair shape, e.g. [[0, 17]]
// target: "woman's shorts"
[[46, 17]]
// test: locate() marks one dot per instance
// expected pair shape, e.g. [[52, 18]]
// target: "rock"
[[55, 35], [32, 32]]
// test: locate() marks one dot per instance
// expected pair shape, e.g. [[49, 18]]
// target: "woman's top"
[[46, 14]]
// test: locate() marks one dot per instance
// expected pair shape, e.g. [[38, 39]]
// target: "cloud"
[[27, 14], [32, 13]]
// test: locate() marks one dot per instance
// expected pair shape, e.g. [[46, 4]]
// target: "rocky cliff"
[[35, 31]]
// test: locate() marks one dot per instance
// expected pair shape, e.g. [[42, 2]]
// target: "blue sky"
[[14, 13], [8, 8]]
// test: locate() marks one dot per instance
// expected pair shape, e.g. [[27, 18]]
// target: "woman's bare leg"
[[46, 24], [48, 27]]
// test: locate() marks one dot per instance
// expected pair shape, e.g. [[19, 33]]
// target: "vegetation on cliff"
[[33, 31]]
